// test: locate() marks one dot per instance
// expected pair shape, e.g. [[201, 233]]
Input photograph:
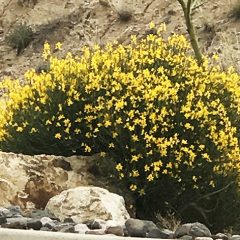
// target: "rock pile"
[[94, 210], [43, 220]]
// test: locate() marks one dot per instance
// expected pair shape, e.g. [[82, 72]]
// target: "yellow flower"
[[194, 178], [33, 130], [151, 25], [141, 192], [135, 138], [150, 177], [135, 158], [19, 129], [211, 183], [107, 123], [146, 168], [48, 122], [119, 167], [58, 45], [87, 149], [133, 187], [135, 173], [215, 57], [102, 154], [169, 165], [111, 145], [58, 135]]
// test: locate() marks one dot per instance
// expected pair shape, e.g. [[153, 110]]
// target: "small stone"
[[16, 223], [68, 229], [46, 220], [199, 230], [192, 229], [63, 227], [157, 233], [186, 237], [235, 237], [222, 236], [116, 230], [14, 211], [36, 213], [81, 228], [95, 224], [139, 228], [68, 220], [34, 224], [3, 218], [51, 225], [168, 232]]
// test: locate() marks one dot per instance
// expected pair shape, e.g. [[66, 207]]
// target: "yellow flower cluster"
[[148, 104]]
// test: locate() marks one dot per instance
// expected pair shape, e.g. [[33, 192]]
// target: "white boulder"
[[88, 203]]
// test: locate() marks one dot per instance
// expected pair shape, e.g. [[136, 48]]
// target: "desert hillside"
[[76, 23]]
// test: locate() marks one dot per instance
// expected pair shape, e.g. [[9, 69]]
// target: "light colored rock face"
[[88, 203], [30, 181]]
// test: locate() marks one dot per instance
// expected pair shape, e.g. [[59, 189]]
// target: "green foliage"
[[20, 37], [171, 125]]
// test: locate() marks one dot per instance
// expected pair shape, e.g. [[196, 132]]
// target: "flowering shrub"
[[165, 120]]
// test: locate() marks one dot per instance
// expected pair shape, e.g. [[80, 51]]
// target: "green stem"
[[191, 30]]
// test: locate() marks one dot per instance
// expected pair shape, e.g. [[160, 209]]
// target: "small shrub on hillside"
[[171, 126], [20, 37], [236, 10]]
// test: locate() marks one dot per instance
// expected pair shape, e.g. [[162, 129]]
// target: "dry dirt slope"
[[79, 22]]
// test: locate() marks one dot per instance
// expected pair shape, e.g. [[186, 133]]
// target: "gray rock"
[[168, 232], [182, 230], [45, 229], [139, 228], [235, 237], [64, 227], [45, 220], [116, 230], [16, 223], [4, 211], [221, 236], [199, 230], [81, 228], [3, 218], [157, 233], [36, 213], [51, 225], [192, 229], [34, 224], [95, 224], [14, 212], [68, 229], [186, 237], [68, 220]]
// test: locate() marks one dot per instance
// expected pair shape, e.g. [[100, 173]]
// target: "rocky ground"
[[43, 220], [85, 22]]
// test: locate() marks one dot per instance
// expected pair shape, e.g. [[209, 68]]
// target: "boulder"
[[142, 228], [30, 181], [88, 203], [192, 229]]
